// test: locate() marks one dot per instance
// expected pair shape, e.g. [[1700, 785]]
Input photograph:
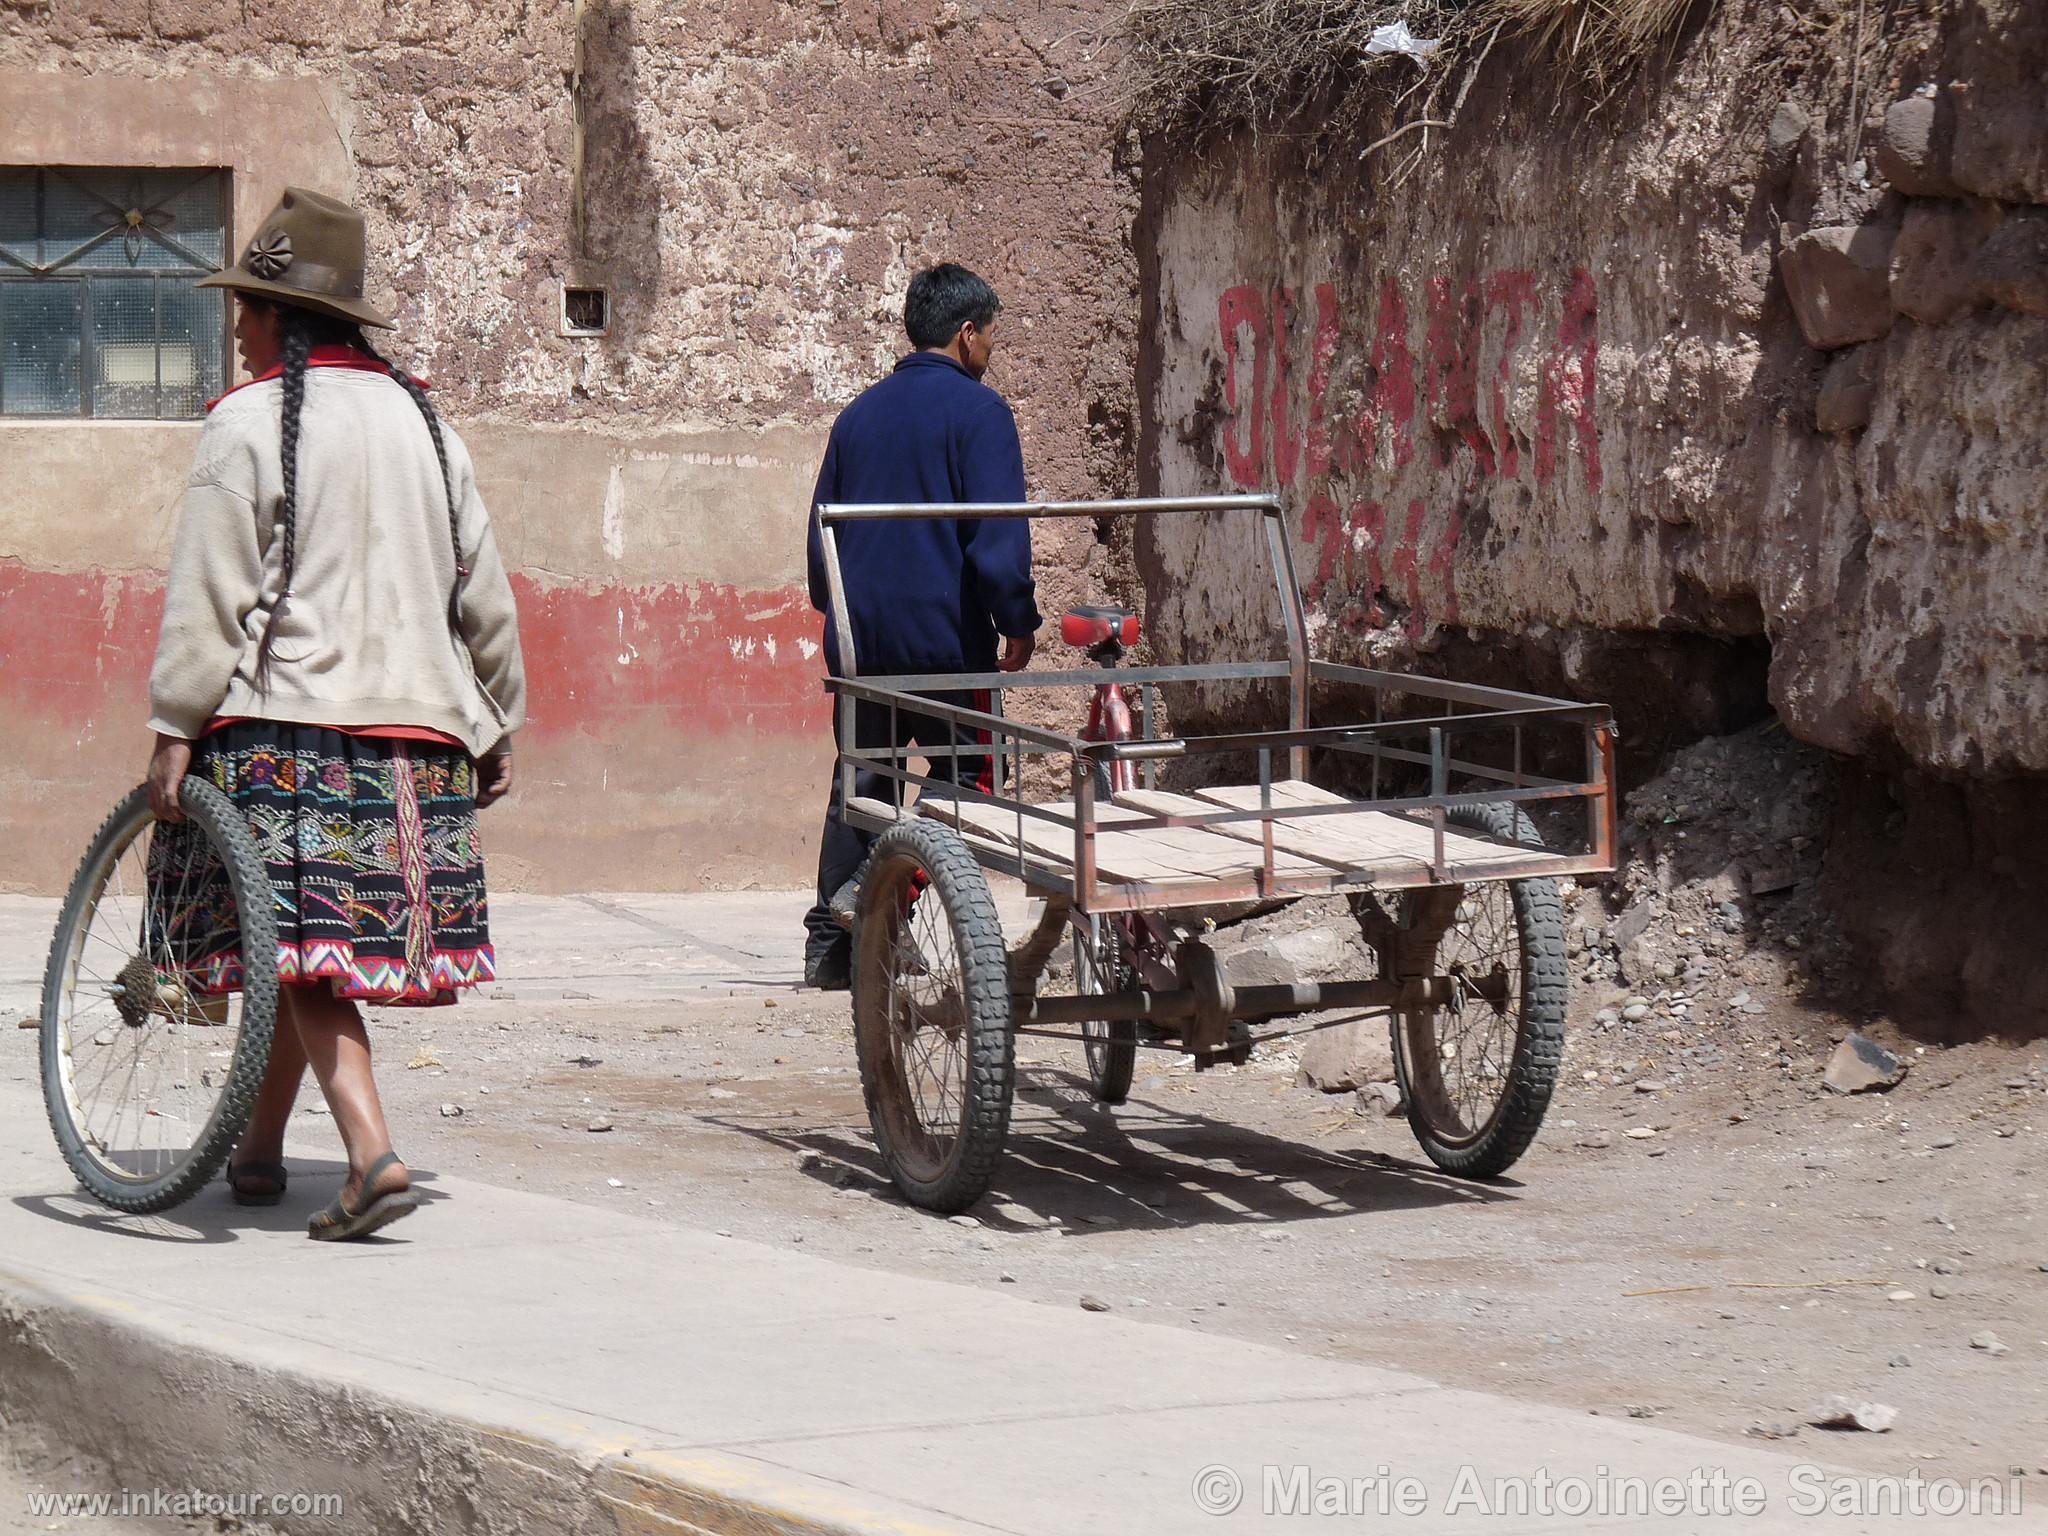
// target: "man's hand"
[[167, 768], [493, 778], [1017, 651]]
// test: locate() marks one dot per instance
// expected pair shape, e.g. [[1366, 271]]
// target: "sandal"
[[338, 1223], [270, 1173]]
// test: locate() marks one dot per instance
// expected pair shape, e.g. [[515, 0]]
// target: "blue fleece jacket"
[[930, 595]]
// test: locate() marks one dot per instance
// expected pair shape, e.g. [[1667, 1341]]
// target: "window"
[[98, 312]]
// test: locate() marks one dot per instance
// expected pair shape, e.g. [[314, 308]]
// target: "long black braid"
[[413, 387], [298, 346], [302, 330]]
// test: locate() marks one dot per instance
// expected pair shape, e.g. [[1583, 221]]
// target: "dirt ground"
[[1718, 1275], [18, 1484]]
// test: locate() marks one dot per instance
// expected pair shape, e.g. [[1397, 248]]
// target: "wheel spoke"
[[136, 1081], [1462, 1053]]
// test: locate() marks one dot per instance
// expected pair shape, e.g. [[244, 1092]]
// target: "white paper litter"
[[1396, 38]]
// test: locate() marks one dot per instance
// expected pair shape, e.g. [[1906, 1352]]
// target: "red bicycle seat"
[[1085, 627]]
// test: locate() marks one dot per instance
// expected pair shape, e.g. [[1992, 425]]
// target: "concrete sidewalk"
[[509, 1362]]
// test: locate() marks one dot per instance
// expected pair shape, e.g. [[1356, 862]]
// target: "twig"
[[1473, 73], [1420, 122], [1758, 1285], [1799, 1285], [1855, 136], [1668, 1290]]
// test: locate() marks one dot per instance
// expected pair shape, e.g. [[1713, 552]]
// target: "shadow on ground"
[[212, 1217], [1144, 1165]]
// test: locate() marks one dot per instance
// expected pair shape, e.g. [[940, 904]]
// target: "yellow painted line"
[[724, 1480]]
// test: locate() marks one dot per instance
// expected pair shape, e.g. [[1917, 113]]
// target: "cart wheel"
[[931, 1013], [1477, 1075], [1103, 965], [148, 1077]]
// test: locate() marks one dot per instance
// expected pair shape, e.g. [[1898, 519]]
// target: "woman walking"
[[340, 656]]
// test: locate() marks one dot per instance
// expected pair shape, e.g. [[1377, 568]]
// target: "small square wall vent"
[[586, 311]]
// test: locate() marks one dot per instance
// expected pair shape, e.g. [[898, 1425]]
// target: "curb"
[[179, 1409]]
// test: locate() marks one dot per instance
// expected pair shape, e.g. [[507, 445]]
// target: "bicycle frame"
[[1109, 719]]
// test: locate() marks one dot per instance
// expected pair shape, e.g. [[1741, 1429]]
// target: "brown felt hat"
[[311, 252]]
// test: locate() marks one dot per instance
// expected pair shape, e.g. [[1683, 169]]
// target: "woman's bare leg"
[[263, 1139], [338, 1049]]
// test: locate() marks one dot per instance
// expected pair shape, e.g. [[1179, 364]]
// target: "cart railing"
[[1416, 765], [1293, 616]]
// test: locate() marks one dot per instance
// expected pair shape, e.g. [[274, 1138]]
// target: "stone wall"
[[1730, 396], [757, 182]]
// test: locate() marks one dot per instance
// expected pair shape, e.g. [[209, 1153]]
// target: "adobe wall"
[[759, 181], [1731, 398]]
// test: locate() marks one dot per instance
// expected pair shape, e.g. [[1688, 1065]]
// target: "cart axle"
[[1248, 1003]]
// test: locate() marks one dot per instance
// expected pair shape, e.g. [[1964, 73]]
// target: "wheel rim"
[[917, 1013], [143, 1054], [1458, 1057], [1096, 972]]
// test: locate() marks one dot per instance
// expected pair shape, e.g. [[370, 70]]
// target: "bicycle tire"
[[1530, 1078], [216, 818], [939, 1172], [1110, 1045]]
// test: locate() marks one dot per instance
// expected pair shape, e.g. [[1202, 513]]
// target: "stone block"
[[341, 23], [194, 18], [1933, 272], [2001, 107], [1839, 281], [1848, 391], [1317, 954], [1915, 146], [1347, 1056], [1788, 130], [2012, 266], [117, 18]]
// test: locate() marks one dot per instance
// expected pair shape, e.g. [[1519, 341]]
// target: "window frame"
[[65, 270]]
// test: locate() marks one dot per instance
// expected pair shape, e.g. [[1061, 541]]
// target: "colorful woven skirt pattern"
[[372, 851]]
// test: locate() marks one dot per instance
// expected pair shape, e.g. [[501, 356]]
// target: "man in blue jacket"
[[930, 595]]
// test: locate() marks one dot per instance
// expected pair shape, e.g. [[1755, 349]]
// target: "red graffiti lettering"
[[1240, 308], [1451, 367], [1323, 533], [1569, 381], [1391, 402], [1286, 441], [1329, 329]]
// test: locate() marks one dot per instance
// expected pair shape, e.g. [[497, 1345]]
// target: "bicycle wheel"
[[149, 1067], [931, 1014], [1101, 966], [1477, 1075]]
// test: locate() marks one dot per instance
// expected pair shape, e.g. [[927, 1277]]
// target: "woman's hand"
[[493, 778], [167, 769]]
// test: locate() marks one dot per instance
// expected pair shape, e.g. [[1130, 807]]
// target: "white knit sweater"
[[365, 639]]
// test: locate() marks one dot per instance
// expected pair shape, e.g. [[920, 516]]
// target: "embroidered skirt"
[[372, 851]]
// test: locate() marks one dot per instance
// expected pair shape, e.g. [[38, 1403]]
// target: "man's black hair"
[[942, 299]]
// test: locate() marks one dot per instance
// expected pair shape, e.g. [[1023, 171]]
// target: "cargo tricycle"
[[1414, 800]]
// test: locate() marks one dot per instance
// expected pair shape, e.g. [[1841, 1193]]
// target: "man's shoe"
[[829, 973], [843, 902]]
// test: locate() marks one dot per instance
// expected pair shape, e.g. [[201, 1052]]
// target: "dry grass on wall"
[[1600, 39], [1197, 66]]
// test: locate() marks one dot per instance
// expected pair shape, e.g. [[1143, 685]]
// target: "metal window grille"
[[98, 312]]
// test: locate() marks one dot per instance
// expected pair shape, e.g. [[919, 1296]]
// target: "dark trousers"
[[842, 848]]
